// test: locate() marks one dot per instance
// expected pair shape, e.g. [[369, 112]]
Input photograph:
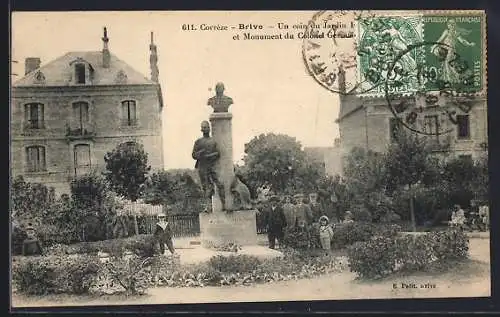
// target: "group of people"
[[297, 212], [477, 216]]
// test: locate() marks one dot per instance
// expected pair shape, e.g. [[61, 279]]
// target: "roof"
[[59, 72]]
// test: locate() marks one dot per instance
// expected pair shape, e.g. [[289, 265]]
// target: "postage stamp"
[[386, 53], [457, 55], [211, 156]]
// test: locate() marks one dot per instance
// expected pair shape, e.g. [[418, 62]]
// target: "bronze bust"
[[220, 102]]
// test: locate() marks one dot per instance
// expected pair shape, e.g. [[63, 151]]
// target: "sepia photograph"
[[192, 157]]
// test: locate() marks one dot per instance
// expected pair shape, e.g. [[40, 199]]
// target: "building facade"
[[369, 123], [328, 156], [66, 115]]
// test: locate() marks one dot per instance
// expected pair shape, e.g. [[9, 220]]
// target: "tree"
[[365, 182], [410, 167], [92, 212], [173, 188], [127, 168], [30, 201], [279, 161]]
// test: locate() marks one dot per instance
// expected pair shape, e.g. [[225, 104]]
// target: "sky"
[[267, 79]]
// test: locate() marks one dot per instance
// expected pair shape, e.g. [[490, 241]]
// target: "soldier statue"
[[206, 154]]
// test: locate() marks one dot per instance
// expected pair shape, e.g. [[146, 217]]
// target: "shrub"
[[141, 245], [382, 256], [131, 274], [297, 238], [234, 263], [55, 274], [350, 233]]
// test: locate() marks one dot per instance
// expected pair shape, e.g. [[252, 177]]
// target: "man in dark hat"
[[206, 154], [163, 234], [275, 221]]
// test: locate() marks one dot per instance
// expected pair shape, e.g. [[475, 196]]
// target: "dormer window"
[[83, 72], [80, 73]]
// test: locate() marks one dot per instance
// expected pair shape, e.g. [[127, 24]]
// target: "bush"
[[141, 245], [55, 274], [298, 238], [234, 263], [350, 233], [382, 256]]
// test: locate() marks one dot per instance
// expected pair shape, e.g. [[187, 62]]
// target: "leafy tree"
[[92, 207], [410, 167], [364, 171], [278, 161], [127, 168], [30, 201], [173, 188]]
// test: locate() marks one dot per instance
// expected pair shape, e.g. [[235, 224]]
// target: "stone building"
[[329, 156], [368, 122], [67, 114]]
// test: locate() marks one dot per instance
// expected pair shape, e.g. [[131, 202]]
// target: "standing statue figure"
[[206, 154], [220, 102]]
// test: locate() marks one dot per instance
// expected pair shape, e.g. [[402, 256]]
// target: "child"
[[325, 233], [163, 235]]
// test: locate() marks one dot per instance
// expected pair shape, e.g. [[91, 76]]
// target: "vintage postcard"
[[175, 157]]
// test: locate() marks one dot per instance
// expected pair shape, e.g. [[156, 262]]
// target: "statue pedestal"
[[223, 135], [220, 228]]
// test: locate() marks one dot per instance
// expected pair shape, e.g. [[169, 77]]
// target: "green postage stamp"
[[425, 51]]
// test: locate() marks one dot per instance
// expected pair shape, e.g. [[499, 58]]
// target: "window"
[[35, 159], [463, 126], [431, 125], [394, 128], [80, 116], [80, 73], [34, 115], [82, 159], [129, 112]]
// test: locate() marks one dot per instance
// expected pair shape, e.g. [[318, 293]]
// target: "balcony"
[[82, 132]]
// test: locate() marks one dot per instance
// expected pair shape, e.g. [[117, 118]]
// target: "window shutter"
[[26, 115], [40, 116], [132, 111], [41, 153]]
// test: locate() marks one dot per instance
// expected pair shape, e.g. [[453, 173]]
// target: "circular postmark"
[[438, 98], [329, 49]]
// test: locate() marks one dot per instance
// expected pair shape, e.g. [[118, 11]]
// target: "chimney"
[[106, 57], [153, 60], [30, 64]]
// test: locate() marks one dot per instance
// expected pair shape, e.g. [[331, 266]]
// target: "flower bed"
[[133, 275], [382, 255]]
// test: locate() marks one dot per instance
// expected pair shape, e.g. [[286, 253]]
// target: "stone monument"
[[227, 223]]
